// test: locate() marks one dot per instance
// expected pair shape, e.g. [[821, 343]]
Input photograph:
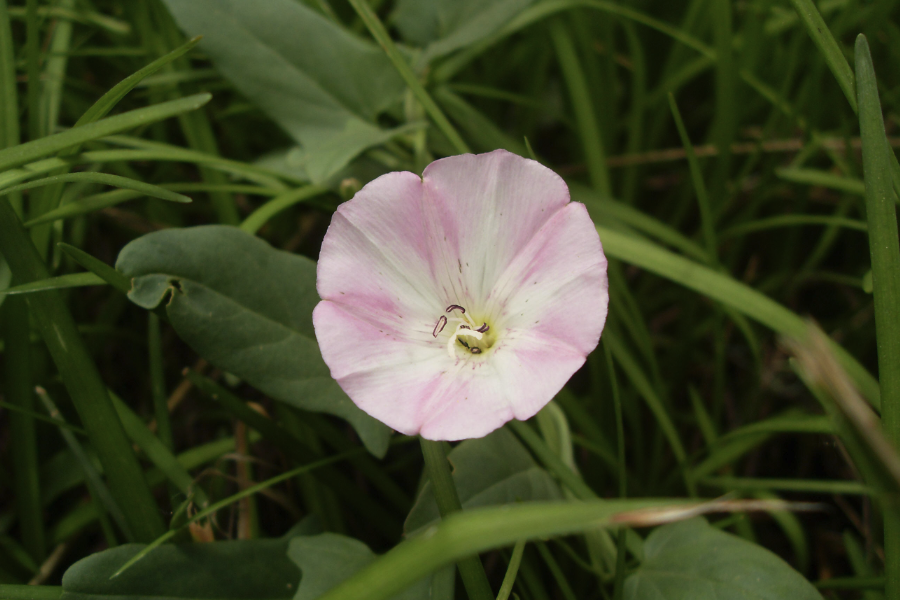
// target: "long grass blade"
[[36, 149], [381, 35], [885, 251], [728, 291], [81, 378], [56, 283]]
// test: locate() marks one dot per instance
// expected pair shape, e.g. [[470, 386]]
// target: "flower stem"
[[470, 569]]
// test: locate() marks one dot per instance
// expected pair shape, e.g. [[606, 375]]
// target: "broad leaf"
[[442, 26], [329, 559], [254, 569], [692, 560], [495, 469], [247, 309], [322, 84]]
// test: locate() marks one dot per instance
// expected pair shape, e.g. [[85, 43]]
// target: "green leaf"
[[495, 469], [247, 308], [328, 559], [444, 26], [55, 283], [31, 151], [252, 569], [322, 84], [692, 560]]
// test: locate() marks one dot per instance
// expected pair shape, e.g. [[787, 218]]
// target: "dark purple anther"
[[453, 307], [475, 350], [483, 329], [439, 326]]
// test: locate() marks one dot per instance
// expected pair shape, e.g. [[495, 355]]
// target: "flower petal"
[[521, 377], [374, 258], [487, 207], [387, 375], [556, 287]]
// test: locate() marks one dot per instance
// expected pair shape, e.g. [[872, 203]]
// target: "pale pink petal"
[[488, 207], [523, 373], [387, 374], [374, 258], [556, 288]]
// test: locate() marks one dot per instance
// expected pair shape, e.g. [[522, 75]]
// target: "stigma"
[[467, 332]]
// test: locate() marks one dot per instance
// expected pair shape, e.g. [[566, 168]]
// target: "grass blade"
[[98, 267], [588, 128], [154, 191], [824, 179], [81, 378], [157, 452], [85, 206], [109, 100], [885, 251], [381, 35], [92, 479], [36, 149], [55, 283], [723, 288], [482, 529], [9, 98], [706, 215], [828, 46], [18, 383]]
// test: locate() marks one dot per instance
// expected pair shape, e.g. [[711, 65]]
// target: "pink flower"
[[457, 301]]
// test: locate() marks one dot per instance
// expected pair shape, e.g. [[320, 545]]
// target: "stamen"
[[439, 326], [475, 350], [462, 330], [483, 329], [453, 307]]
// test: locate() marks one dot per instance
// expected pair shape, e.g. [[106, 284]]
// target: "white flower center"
[[465, 328]]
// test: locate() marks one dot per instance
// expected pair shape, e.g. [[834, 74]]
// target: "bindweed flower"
[[457, 301]]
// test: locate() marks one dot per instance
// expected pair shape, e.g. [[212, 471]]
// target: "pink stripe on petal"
[[534, 368], [489, 207], [375, 251], [557, 284], [472, 407], [351, 343], [395, 396]]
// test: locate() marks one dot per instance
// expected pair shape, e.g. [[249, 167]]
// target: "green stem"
[[158, 382], [619, 578], [885, 251], [509, 579], [470, 569], [376, 28]]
